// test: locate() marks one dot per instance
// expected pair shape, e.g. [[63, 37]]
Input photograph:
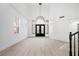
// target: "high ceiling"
[[31, 10]]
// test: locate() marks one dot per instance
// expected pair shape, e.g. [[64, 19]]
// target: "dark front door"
[[40, 30]]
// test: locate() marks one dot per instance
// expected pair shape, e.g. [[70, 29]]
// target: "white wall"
[[73, 25], [61, 27], [7, 19], [58, 28]]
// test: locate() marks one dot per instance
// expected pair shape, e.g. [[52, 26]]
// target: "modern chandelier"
[[40, 17]]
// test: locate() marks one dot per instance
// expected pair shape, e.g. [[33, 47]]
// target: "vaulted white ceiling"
[[31, 10]]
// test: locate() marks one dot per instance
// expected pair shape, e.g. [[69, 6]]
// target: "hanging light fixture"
[[40, 17]]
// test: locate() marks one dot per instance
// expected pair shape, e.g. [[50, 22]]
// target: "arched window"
[[40, 20]]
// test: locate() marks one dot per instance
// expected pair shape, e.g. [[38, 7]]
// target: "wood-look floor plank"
[[37, 47]]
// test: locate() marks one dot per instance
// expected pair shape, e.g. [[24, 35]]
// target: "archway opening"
[[40, 26]]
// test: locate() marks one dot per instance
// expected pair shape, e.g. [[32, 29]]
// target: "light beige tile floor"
[[37, 47]]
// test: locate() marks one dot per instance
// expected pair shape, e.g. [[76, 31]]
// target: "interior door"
[[40, 30]]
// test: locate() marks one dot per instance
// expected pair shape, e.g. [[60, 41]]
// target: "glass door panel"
[[38, 29], [42, 29]]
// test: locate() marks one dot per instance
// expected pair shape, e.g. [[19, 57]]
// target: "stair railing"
[[71, 37]]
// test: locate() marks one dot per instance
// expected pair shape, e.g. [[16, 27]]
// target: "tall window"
[[33, 29], [16, 25]]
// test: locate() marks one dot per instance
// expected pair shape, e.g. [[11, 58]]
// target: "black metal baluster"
[[78, 43], [70, 37], [74, 46]]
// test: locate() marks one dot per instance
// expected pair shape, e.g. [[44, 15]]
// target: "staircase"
[[74, 44]]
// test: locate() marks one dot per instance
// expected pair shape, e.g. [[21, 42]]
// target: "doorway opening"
[[40, 30]]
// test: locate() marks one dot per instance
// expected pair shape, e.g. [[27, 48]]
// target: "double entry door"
[[40, 30]]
